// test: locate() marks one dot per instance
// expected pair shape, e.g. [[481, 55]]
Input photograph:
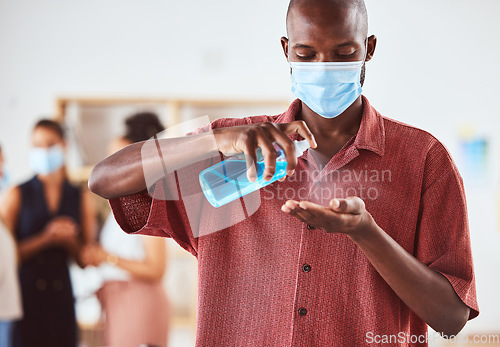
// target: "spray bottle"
[[227, 181]]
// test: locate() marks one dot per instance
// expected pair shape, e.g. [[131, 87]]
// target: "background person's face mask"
[[4, 179], [327, 88], [46, 160]]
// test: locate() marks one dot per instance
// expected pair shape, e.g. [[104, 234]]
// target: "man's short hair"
[[358, 5]]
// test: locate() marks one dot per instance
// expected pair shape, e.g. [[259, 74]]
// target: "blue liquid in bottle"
[[227, 181]]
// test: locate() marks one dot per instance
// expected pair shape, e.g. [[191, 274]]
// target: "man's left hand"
[[347, 216]]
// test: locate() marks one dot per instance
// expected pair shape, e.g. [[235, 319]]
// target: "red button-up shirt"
[[267, 279]]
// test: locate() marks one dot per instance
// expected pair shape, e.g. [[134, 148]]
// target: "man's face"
[[320, 32]]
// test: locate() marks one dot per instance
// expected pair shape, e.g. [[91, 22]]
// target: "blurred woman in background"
[[10, 298], [132, 267], [51, 220]]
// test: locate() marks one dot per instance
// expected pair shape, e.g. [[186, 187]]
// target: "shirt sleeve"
[[442, 238], [141, 214]]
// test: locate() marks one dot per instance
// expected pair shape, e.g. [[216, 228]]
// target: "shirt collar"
[[371, 133]]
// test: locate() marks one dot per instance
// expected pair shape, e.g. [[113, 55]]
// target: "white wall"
[[435, 67]]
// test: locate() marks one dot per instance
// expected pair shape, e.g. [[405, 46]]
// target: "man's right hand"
[[123, 173], [247, 138]]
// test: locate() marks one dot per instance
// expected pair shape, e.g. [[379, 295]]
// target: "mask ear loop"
[[366, 51]]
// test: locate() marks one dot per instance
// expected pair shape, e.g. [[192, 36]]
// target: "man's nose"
[[325, 57]]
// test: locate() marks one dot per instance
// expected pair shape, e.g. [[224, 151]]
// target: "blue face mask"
[[46, 160], [327, 88]]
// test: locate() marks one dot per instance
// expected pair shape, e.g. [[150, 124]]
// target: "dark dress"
[[47, 296]]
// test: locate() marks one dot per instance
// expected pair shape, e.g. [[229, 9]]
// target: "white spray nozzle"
[[301, 147]]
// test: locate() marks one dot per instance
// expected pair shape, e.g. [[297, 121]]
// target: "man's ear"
[[284, 45], [372, 44]]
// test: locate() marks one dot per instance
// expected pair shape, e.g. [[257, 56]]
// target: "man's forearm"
[[425, 291], [123, 173]]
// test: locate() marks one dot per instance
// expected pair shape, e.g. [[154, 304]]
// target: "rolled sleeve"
[[443, 239], [151, 214]]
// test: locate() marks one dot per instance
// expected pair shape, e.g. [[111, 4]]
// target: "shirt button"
[[310, 227], [41, 284], [306, 267], [57, 285], [302, 311]]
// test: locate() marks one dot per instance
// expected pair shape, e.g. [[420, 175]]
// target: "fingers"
[[292, 207], [299, 127], [265, 142], [263, 135], [260, 137], [251, 158], [311, 207], [289, 206], [272, 132], [287, 146], [311, 212], [352, 205]]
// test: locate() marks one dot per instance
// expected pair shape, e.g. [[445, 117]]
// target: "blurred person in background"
[[10, 298], [132, 267], [4, 179], [51, 219]]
